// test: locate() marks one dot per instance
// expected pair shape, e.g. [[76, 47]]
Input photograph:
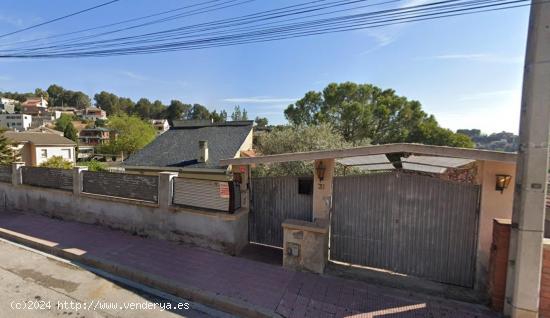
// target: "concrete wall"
[[493, 205], [219, 231]]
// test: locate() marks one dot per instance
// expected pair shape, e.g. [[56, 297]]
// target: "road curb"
[[191, 293]]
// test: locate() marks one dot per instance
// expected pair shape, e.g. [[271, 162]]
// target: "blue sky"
[[466, 70]]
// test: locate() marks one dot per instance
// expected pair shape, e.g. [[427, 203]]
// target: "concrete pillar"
[[525, 258], [77, 180], [166, 189], [322, 189], [17, 173]]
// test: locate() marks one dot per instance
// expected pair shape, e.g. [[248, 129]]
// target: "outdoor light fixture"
[[503, 181], [320, 169]]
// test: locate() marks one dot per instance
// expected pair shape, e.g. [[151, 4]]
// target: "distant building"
[[64, 110], [161, 125], [90, 138], [46, 130], [194, 145], [46, 118], [92, 113], [37, 147], [94, 136], [7, 105], [17, 122], [34, 106]]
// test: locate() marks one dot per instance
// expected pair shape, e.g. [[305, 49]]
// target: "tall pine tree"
[[6, 152]]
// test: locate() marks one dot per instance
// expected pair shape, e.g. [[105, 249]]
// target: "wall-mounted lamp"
[[503, 181], [320, 169]]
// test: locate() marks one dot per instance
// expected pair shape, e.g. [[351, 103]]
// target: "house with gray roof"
[[194, 146], [34, 148]]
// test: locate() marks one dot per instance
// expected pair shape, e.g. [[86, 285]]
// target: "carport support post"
[[525, 258], [165, 190], [77, 180], [16, 173], [322, 189]]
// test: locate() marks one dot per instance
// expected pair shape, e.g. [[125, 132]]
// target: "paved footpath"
[[266, 289]]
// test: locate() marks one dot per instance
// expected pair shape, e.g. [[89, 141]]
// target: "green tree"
[[6, 151], [108, 102], [41, 93], [55, 92], [429, 132], [132, 134], [285, 139], [176, 110], [239, 114], [57, 162], [78, 100], [359, 111], [157, 110], [63, 121], [143, 108], [94, 165], [219, 117], [126, 105], [198, 111], [261, 121], [70, 132]]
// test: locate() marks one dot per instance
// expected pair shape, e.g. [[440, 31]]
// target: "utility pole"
[[526, 243]]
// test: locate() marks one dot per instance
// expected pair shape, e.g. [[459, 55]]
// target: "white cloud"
[[477, 57], [134, 76], [4, 78], [259, 100], [388, 34]]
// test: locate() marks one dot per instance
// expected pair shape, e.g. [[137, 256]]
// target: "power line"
[[438, 10], [112, 24], [60, 18]]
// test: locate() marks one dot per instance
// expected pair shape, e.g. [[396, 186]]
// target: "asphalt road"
[[33, 284]]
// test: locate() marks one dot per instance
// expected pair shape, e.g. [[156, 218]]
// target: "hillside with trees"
[[502, 141], [347, 114]]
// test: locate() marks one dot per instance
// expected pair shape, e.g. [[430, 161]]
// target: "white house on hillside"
[[17, 122], [7, 105], [37, 147]]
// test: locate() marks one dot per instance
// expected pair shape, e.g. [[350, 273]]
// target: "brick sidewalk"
[[271, 288]]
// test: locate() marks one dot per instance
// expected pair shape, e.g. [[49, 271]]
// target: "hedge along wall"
[[5, 173], [48, 177], [130, 186]]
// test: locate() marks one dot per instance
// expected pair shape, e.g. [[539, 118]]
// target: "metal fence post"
[[16, 173], [77, 179], [166, 189]]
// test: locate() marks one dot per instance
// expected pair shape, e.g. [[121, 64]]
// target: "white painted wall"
[[19, 122], [66, 152]]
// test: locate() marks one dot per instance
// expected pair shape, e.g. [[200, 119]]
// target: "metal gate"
[[275, 199], [410, 224]]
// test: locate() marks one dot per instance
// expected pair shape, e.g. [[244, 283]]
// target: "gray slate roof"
[[179, 147]]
